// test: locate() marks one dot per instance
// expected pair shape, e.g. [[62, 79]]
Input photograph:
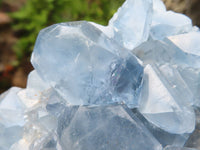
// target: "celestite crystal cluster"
[[131, 85]]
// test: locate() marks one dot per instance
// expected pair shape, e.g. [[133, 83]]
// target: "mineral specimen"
[[131, 85]]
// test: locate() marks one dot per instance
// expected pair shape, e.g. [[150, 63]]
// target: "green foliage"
[[37, 14]]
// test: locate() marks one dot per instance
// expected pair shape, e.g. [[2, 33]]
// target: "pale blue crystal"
[[167, 23], [161, 52], [104, 127], [11, 118], [85, 66], [164, 138], [188, 42], [131, 23], [98, 127], [162, 107], [191, 77], [11, 108], [158, 7], [35, 82], [194, 139]]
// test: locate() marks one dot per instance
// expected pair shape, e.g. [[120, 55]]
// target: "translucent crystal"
[[132, 23], [161, 107], [11, 118], [11, 108], [35, 82], [85, 66], [169, 23], [99, 127], [194, 139], [164, 138], [161, 52], [158, 7], [34, 90], [106, 127], [188, 42], [191, 77]]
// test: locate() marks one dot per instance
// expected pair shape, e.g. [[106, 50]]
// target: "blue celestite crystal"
[[93, 69], [131, 85], [104, 127], [162, 105]]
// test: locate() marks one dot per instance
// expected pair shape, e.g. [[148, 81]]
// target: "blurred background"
[[21, 21]]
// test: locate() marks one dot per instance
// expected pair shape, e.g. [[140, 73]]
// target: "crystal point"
[[131, 29]]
